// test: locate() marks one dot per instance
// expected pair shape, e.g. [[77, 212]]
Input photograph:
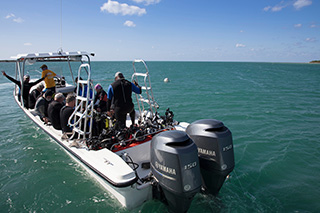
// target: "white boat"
[[160, 158]]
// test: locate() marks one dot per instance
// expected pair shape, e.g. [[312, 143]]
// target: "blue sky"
[[165, 30]]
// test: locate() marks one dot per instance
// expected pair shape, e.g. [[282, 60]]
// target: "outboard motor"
[[215, 150], [175, 165]]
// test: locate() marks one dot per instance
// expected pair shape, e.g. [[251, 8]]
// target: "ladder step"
[[81, 114], [83, 81], [146, 88], [81, 98], [147, 101], [79, 131], [140, 74]]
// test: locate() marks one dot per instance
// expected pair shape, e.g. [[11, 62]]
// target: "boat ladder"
[[81, 119], [145, 100]]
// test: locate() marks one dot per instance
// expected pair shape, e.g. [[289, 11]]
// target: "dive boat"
[[159, 158]]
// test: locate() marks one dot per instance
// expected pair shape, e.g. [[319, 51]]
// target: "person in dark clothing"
[[42, 104], [54, 110], [66, 112], [120, 91], [26, 86], [100, 99], [34, 95]]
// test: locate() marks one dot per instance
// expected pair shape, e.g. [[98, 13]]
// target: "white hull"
[[107, 167]]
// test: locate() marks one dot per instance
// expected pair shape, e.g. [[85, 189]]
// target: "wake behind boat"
[[156, 158]]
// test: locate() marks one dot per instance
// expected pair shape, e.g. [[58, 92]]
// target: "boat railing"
[[82, 115], [145, 100]]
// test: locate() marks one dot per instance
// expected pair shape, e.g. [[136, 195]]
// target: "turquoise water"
[[272, 109]]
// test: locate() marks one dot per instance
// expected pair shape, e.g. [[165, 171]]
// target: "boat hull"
[[128, 193]]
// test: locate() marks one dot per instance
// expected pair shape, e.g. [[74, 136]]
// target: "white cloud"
[[267, 8], [129, 24], [240, 45], [11, 15], [123, 9], [276, 8], [298, 25], [311, 40], [297, 4], [18, 20], [302, 3], [27, 44], [147, 2]]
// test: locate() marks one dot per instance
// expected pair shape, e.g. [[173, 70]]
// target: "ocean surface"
[[272, 110]]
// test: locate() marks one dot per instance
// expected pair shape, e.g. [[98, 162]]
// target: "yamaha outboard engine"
[[215, 149], [175, 165]]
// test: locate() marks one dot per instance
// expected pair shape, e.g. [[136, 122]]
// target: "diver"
[[54, 110], [100, 99], [26, 86], [120, 93], [65, 113]]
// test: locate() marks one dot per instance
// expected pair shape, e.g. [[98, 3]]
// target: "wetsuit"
[[120, 91], [65, 113], [103, 99], [26, 89], [54, 113], [41, 107], [33, 96]]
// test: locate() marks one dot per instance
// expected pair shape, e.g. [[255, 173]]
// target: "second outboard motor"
[[175, 165], [215, 149]]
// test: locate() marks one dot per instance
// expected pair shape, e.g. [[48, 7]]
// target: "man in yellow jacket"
[[50, 84]]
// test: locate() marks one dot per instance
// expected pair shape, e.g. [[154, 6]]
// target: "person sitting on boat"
[[66, 112], [120, 91], [100, 99], [42, 104], [26, 86], [50, 84], [54, 110], [34, 95]]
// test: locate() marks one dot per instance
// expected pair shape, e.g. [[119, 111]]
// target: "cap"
[[98, 86], [44, 66], [26, 76], [119, 74]]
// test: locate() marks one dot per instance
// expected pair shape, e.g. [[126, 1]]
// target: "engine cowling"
[[215, 150], [175, 165]]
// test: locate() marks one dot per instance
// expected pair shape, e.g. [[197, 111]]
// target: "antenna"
[[60, 49]]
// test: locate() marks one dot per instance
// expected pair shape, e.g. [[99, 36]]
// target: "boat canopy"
[[50, 56], [22, 59]]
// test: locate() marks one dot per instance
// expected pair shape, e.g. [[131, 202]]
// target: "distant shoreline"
[[315, 62]]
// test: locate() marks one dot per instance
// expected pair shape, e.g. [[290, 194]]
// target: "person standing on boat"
[[42, 104], [54, 110], [120, 91], [100, 99], [50, 84], [26, 86], [66, 112]]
